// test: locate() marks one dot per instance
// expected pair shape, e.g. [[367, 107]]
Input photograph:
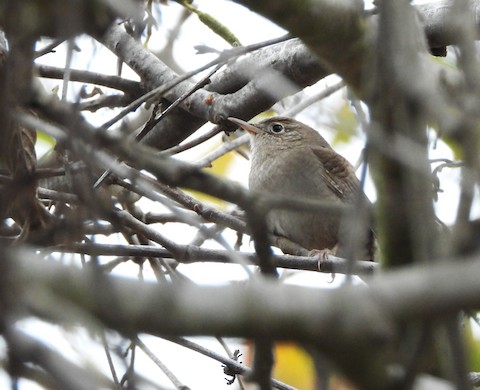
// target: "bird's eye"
[[277, 128]]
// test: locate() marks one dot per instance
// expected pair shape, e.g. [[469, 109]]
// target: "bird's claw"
[[322, 255]]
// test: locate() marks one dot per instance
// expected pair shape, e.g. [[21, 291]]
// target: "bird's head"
[[280, 133]]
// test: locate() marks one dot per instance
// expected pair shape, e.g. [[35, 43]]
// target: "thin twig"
[[192, 254], [103, 101], [110, 361], [44, 193], [149, 126], [115, 82], [68, 63], [200, 84], [49, 48], [241, 369], [313, 99], [231, 355], [175, 381], [222, 150], [130, 373], [191, 144], [207, 212]]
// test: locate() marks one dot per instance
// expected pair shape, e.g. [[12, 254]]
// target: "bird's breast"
[[287, 173]]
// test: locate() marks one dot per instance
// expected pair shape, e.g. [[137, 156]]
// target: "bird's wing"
[[338, 173]]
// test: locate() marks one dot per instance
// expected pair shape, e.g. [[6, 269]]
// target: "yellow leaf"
[[344, 124], [294, 366]]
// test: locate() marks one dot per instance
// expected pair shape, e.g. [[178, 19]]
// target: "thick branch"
[[362, 317], [249, 93], [344, 38]]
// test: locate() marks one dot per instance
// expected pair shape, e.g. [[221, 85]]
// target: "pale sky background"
[[194, 370]]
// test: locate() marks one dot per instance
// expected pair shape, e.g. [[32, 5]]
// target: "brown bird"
[[290, 158]]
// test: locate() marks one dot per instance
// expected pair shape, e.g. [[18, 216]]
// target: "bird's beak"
[[245, 126]]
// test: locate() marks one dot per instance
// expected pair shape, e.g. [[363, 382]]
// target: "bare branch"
[[192, 254]]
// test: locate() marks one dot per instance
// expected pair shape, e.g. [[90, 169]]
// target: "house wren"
[[292, 159]]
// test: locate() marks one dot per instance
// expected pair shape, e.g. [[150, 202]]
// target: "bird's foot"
[[322, 255]]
